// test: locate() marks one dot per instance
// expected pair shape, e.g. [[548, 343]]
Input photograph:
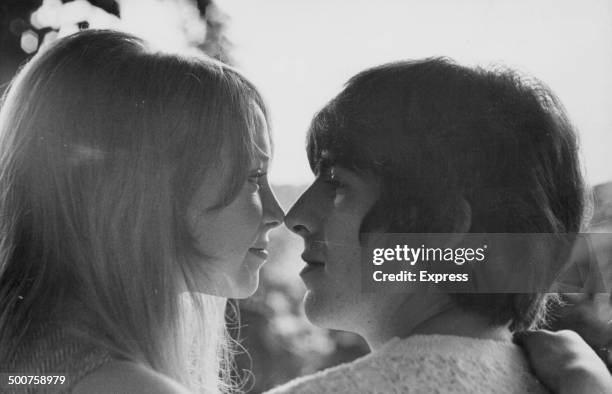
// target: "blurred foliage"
[[27, 25]]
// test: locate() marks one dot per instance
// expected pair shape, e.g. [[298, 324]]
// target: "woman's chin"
[[246, 292], [230, 289], [239, 284], [244, 286]]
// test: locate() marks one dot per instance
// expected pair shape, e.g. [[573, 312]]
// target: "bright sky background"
[[300, 52]]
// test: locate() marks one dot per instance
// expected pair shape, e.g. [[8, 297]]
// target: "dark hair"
[[434, 132]]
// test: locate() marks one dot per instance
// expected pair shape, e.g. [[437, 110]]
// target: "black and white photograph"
[[306, 196]]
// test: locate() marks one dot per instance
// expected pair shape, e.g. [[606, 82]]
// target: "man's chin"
[[319, 310]]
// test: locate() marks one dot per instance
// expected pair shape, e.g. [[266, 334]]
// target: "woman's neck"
[[436, 319]]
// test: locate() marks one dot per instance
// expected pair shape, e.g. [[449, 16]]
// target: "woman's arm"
[[565, 363]]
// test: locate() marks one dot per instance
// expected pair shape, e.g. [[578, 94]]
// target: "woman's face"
[[328, 217], [234, 238]]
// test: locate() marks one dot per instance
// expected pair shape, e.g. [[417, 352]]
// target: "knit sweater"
[[427, 364]]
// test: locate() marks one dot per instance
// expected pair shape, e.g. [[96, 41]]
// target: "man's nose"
[[302, 217]]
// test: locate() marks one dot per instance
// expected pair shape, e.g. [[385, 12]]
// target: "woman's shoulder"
[[118, 376], [89, 367], [427, 363]]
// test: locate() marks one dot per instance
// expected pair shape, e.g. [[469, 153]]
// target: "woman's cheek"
[[254, 209]]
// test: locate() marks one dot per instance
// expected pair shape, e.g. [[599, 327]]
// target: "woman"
[[134, 202], [432, 147]]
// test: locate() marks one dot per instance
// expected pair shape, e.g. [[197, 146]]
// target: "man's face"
[[328, 216]]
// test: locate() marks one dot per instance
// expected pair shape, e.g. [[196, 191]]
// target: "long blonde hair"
[[103, 144]]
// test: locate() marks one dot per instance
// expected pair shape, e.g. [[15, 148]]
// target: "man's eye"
[[329, 177], [335, 183]]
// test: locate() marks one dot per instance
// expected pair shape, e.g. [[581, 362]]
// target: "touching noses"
[[273, 215], [300, 218]]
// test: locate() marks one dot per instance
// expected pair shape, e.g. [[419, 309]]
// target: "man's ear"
[[462, 222], [463, 216]]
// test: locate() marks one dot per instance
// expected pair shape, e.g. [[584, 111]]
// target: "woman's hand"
[[565, 363]]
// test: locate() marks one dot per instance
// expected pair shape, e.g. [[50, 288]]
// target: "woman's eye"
[[256, 176]]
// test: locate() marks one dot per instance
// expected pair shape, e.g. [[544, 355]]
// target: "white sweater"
[[427, 364]]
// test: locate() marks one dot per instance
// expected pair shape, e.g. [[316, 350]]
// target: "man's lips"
[[312, 263]]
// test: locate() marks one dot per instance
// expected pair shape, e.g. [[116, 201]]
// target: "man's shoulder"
[[336, 379], [352, 377], [425, 364]]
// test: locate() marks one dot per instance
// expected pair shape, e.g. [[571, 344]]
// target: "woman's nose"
[[273, 213]]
